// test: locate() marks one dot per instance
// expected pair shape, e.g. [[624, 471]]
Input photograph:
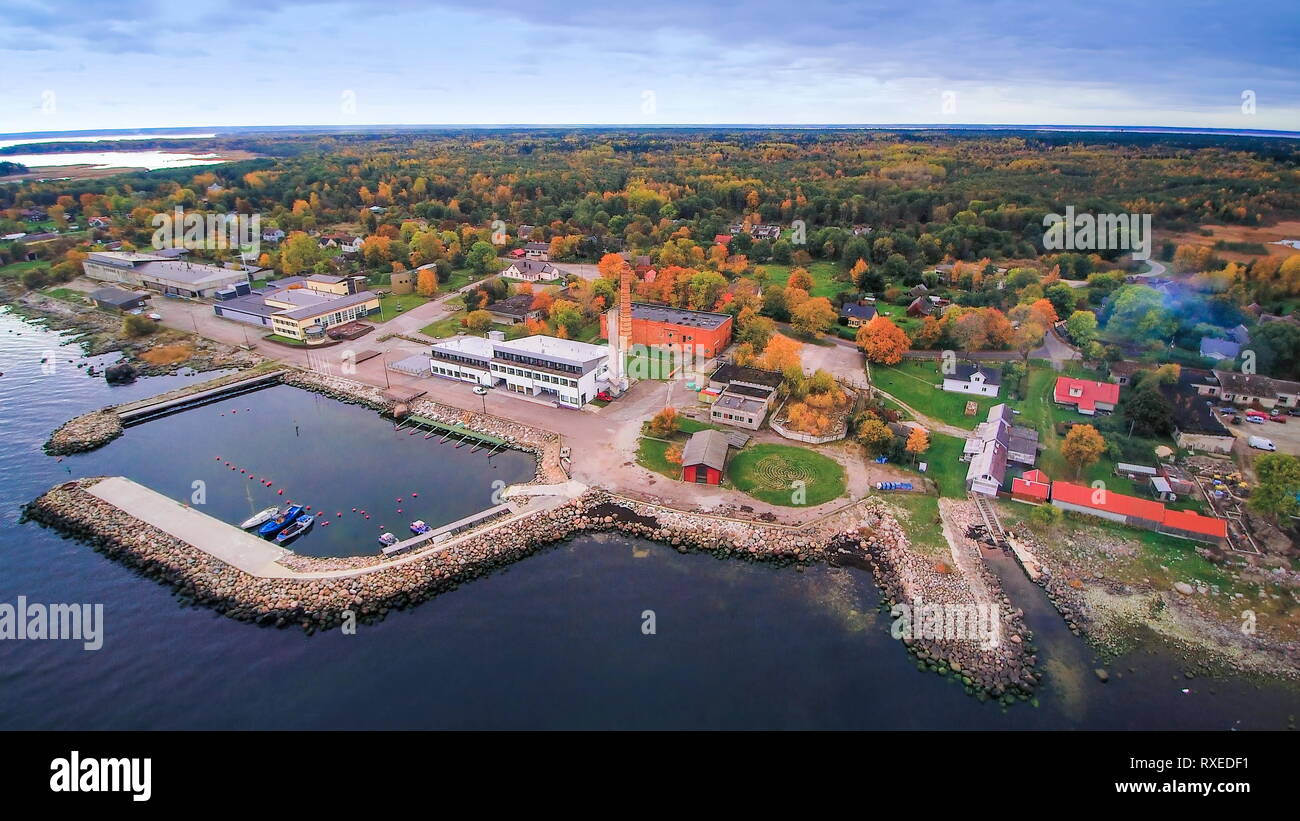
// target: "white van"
[[1261, 443]]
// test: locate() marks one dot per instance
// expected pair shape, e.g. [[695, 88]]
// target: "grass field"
[[67, 295], [769, 473], [390, 303], [650, 455], [823, 274], [918, 515], [17, 269], [914, 383]]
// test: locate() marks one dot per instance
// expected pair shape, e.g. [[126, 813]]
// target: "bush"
[[137, 325], [36, 278], [1045, 516]]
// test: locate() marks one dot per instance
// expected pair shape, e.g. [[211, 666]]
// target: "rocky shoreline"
[[864, 536], [86, 432]]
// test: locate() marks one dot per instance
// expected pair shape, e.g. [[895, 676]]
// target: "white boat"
[[261, 517], [387, 539]]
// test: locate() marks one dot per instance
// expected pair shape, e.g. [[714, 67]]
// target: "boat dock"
[[445, 532], [224, 541], [134, 414], [457, 434]]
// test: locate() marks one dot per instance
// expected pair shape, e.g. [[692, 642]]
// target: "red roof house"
[[1087, 396], [1033, 487]]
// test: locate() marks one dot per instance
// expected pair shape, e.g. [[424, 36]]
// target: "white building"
[[530, 270], [976, 379], [161, 273], [567, 372]]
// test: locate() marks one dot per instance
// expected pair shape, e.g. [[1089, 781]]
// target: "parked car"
[[605, 396], [1278, 418], [1258, 420], [1260, 443], [156, 317]]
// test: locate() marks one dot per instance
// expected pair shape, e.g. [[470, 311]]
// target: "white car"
[[480, 390], [1260, 443], [156, 317]]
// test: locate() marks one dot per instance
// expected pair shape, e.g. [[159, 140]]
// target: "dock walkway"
[[224, 541]]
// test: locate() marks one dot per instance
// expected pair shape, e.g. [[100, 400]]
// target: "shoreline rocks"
[[367, 588], [85, 432]]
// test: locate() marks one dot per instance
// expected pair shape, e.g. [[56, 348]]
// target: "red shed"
[[704, 457]]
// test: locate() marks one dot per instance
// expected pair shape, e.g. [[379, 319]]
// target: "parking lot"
[[1286, 436]]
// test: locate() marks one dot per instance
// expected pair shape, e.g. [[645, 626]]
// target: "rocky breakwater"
[[543, 444], [1003, 668], [85, 432], [320, 594]]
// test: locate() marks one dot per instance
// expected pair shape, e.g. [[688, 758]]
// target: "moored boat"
[[387, 539], [300, 526], [418, 527], [261, 517], [273, 527]]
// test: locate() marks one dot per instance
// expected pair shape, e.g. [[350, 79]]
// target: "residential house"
[[1251, 390], [705, 457], [273, 235], [1125, 372], [859, 313], [1239, 334], [100, 222], [996, 442], [921, 307], [514, 310], [1033, 487], [980, 380], [1087, 397], [1212, 348], [524, 232], [539, 251], [531, 270], [1196, 425]]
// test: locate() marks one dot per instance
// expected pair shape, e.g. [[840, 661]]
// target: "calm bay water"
[[554, 641]]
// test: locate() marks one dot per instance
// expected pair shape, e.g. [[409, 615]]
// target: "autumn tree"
[[673, 454], [1279, 483], [781, 353], [1083, 446], [882, 341], [918, 442], [478, 321], [427, 282], [874, 436], [299, 253], [664, 423], [801, 279], [813, 317]]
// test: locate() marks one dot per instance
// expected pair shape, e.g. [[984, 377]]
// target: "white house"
[[530, 270], [567, 372], [976, 379]]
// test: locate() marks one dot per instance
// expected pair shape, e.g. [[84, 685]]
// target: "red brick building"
[[663, 325]]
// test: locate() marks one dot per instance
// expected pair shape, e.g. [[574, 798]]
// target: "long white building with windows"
[[561, 370]]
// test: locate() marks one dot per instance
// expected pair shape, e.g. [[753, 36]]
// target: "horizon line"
[[361, 127]]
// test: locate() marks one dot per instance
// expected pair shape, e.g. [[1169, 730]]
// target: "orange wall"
[[651, 332]]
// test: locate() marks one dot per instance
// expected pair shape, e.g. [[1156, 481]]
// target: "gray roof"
[[679, 316], [534, 266], [992, 376], [517, 305], [329, 306], [1225, 348], [857, 311], [708, 447], [117, 296]]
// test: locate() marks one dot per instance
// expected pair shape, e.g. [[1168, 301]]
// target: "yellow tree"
[[800, 278], [427, 283], [918, 441], [1083, 446], [814, 316]]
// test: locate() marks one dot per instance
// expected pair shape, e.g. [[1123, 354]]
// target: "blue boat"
[[300, 526], [272, 528]]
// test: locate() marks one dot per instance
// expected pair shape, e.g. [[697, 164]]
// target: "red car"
[[604, 396], [1279, 418]]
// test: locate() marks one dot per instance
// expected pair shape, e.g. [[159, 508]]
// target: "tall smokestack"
[[624, 316]]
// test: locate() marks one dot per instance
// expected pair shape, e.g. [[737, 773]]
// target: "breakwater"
[[324, 593]]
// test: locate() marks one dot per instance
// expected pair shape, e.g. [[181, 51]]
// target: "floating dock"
[[135, 414]]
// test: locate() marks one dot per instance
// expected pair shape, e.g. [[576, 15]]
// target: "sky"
[[121, 64]]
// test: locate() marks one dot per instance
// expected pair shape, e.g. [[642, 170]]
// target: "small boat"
[[261, 517], [273, 527], [418, 527], [300, 526], [387, 539]]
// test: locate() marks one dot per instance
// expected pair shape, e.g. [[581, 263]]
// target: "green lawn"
[[914, 383], [768, 473], [390, 303], [650, 455], [17, 269], [823, 274], [66, 294], [944, 464], [443, 328]]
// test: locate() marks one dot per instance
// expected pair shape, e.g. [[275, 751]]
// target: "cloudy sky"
[[83, 64]]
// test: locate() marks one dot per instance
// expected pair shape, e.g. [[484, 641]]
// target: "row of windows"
[[453, 357], [734, 417], [540, 377], [540, 363]]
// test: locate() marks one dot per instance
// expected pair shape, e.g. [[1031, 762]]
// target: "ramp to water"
[[226, 542]]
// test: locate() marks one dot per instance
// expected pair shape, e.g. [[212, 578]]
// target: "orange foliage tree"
[[882, 341]]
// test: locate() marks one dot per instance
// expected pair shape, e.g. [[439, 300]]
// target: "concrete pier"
[[238, 548]]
